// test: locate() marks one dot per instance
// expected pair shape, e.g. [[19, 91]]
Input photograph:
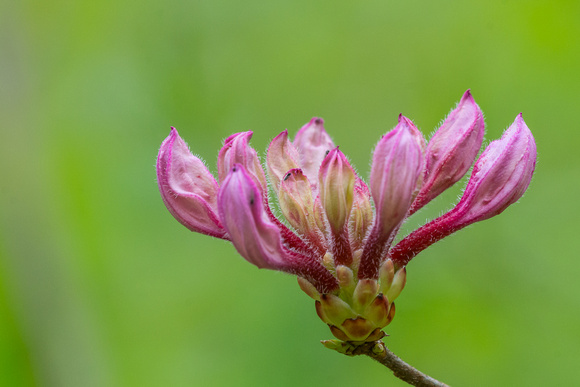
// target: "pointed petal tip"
[[519, 125], [520, 120], [173, 132], [403, 119], [467, 96], [247, 135], [282, 134], [317, 121]]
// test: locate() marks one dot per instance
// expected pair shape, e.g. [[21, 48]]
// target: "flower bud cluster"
[[340, 239]]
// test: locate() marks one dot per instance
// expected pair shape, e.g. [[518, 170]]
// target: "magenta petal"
[[282, 156], [397, 164], [336, 184], [313, 143], [251, 231], [451, 150], [259, 239], [188, 189], [236, 149], [297, 205], [361, 216], [501, 175]]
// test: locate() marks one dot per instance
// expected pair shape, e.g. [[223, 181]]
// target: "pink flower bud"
[[282, 157], [312, 143], [500, 177], [257, 237], [397, 163], [396, 166], [361, 216], [237, 150], [336, 185], [188, 189], [297, 205], [451, 150], [242, 211]]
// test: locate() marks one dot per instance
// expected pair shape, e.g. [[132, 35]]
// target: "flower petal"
[[188, 189], [452, 150], [361, 216], [336, 183], [257, 237], [312, 143], [237, 150], [282, 157], [501, 175], [397, 163], [252, 232], [297, 205]]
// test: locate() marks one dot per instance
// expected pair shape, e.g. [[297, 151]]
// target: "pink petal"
[[282, 156], [256, 237], [188, 189], [297, 205], [452, 150], [237, 150], [336, 183], [397, 164], [312, 143]]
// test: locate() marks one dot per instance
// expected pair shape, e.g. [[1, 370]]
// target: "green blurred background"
[[100, 286]]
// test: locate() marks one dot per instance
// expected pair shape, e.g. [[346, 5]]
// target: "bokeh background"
[[100, 286]]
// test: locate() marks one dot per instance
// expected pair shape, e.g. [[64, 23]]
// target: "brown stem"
[[378, 351]]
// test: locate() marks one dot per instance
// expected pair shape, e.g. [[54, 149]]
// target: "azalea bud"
[[336, 179], [500, 177], [313, 143], [242, 212], [297, 205], [451, 150], [188, 189], [341, 249], [361, 217], [282, 157], [237, 150], [397, 163], [396, 166], [257, 237]]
